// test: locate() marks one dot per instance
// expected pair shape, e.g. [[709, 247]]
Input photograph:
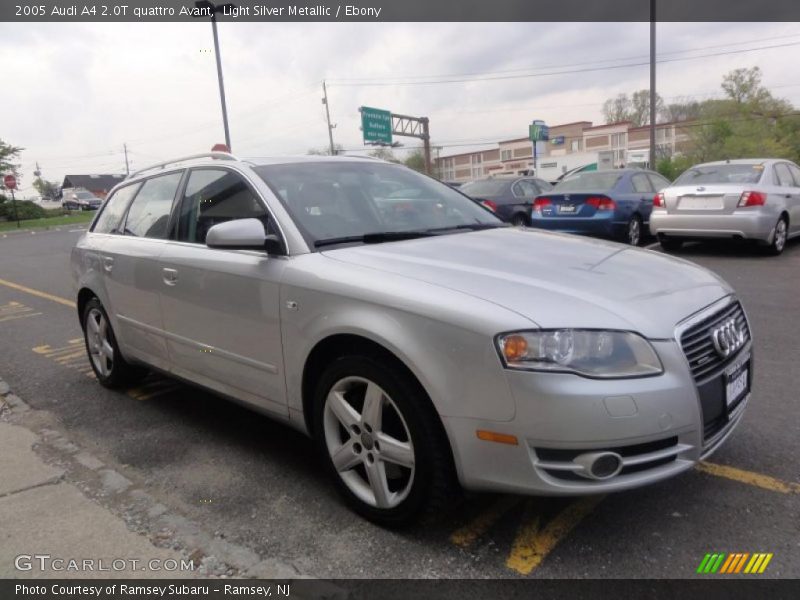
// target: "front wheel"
[[519, 220], [381, 441], [111, 370]]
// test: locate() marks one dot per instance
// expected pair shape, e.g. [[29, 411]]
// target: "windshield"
[[740, 173], [85, 195], [486, 187], [333, 200], [590, 182]]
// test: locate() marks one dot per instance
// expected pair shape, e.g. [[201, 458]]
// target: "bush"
[[671, 168], [25, 209]]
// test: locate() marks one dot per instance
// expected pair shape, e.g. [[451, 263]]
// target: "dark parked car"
[[613, 204], [510, 198], [80, 200]]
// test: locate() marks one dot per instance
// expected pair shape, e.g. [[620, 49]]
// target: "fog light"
[[599, 465]]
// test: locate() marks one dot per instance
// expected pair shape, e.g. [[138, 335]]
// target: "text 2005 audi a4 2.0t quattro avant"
[[422, 343]]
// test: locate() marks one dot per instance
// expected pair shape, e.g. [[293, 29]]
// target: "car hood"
[[551, 279]]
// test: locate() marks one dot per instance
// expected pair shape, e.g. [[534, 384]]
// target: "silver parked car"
[[425, 345], [754, 199]]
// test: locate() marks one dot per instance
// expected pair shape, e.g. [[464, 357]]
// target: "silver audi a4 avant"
[[423, 344]]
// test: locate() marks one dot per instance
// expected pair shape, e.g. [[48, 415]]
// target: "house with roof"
[[99, 185]]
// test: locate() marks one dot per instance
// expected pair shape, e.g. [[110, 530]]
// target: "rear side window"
[[214, 196], [641, 183], [659, 182], [796, 173], [148, 216], [784, 175], [111, 215]]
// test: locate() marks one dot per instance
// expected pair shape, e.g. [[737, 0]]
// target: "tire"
[[779, 237], [670, 244], [633, 231], [417, 476], [519, 220], [111, 369]]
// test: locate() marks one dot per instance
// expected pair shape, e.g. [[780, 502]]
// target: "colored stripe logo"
[[736, 562]]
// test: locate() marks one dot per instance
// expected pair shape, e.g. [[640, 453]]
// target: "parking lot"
[[255, 483]]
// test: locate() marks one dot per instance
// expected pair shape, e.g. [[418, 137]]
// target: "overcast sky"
[[72, 94]]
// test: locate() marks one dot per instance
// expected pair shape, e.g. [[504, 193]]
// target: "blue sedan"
[[612, 204]]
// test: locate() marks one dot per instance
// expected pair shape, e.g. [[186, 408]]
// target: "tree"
[[634, 108], [744, 85], [326, 150], [383, 154], [640, 108], [683, 109], [8, 156], [48, 190], [416, 161], [617, 109]]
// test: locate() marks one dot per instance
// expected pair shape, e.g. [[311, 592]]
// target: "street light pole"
[[653, 85], [214, 9]]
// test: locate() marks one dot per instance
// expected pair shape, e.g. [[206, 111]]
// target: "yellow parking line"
[[33, 292], [465, 536], [532, 544], [65, 358], [21, 316], [750, 478]]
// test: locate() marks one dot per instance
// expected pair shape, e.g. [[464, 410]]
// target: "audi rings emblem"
[[728, 338]]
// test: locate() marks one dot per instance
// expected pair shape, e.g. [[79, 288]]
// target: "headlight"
[[602, 354]]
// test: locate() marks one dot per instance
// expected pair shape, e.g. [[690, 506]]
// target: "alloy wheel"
[[369, 442], [634, 231], [100, 349], [780, 235]]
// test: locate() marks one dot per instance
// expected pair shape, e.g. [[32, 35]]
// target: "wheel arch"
[[341, 344], [84, 295]]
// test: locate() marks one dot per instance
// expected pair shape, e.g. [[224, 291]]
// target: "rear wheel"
[[779, 236], [670, 244], [633, 233], [111, 369], [381, 441]]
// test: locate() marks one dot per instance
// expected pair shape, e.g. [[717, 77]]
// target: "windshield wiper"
[[470, 227], [374, 238]]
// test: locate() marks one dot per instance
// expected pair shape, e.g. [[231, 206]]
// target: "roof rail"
[[161, 165]]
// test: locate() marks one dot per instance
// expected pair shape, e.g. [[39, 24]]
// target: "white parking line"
[[76, 230], [653, 245]]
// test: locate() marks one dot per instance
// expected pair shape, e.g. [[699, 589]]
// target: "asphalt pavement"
[[237, 477]]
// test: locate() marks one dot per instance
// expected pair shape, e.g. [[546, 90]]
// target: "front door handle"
[[108, 263], [170, 276]]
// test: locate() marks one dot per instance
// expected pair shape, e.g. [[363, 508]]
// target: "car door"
[[131, 274], [641, 195], [221, 307], [788, 178]]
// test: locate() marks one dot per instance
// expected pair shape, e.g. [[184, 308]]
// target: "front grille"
[[566, 456], [704, 360]]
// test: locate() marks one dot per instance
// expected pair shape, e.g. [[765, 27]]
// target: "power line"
[[563, 72]]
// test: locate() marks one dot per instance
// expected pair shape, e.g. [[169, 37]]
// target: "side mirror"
[[243, 234]]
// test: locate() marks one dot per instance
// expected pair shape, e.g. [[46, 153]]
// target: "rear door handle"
[[170, 276], [108, 263]]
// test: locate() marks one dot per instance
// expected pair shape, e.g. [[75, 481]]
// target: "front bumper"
[[746, 223], [655, 424]]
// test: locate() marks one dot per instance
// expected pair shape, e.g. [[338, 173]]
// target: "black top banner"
[[399, 10]]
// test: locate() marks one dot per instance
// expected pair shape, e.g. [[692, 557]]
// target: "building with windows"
[[612, 145]]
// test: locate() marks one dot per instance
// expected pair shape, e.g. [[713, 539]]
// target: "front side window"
[[111, 215], [215, 196], [148, 216]]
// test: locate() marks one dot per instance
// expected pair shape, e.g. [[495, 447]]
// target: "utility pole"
[[127, 166], [653, 84], [328, 117], [426, 140]]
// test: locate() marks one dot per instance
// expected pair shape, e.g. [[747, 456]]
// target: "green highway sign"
[[376, 125], [538, 132]]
